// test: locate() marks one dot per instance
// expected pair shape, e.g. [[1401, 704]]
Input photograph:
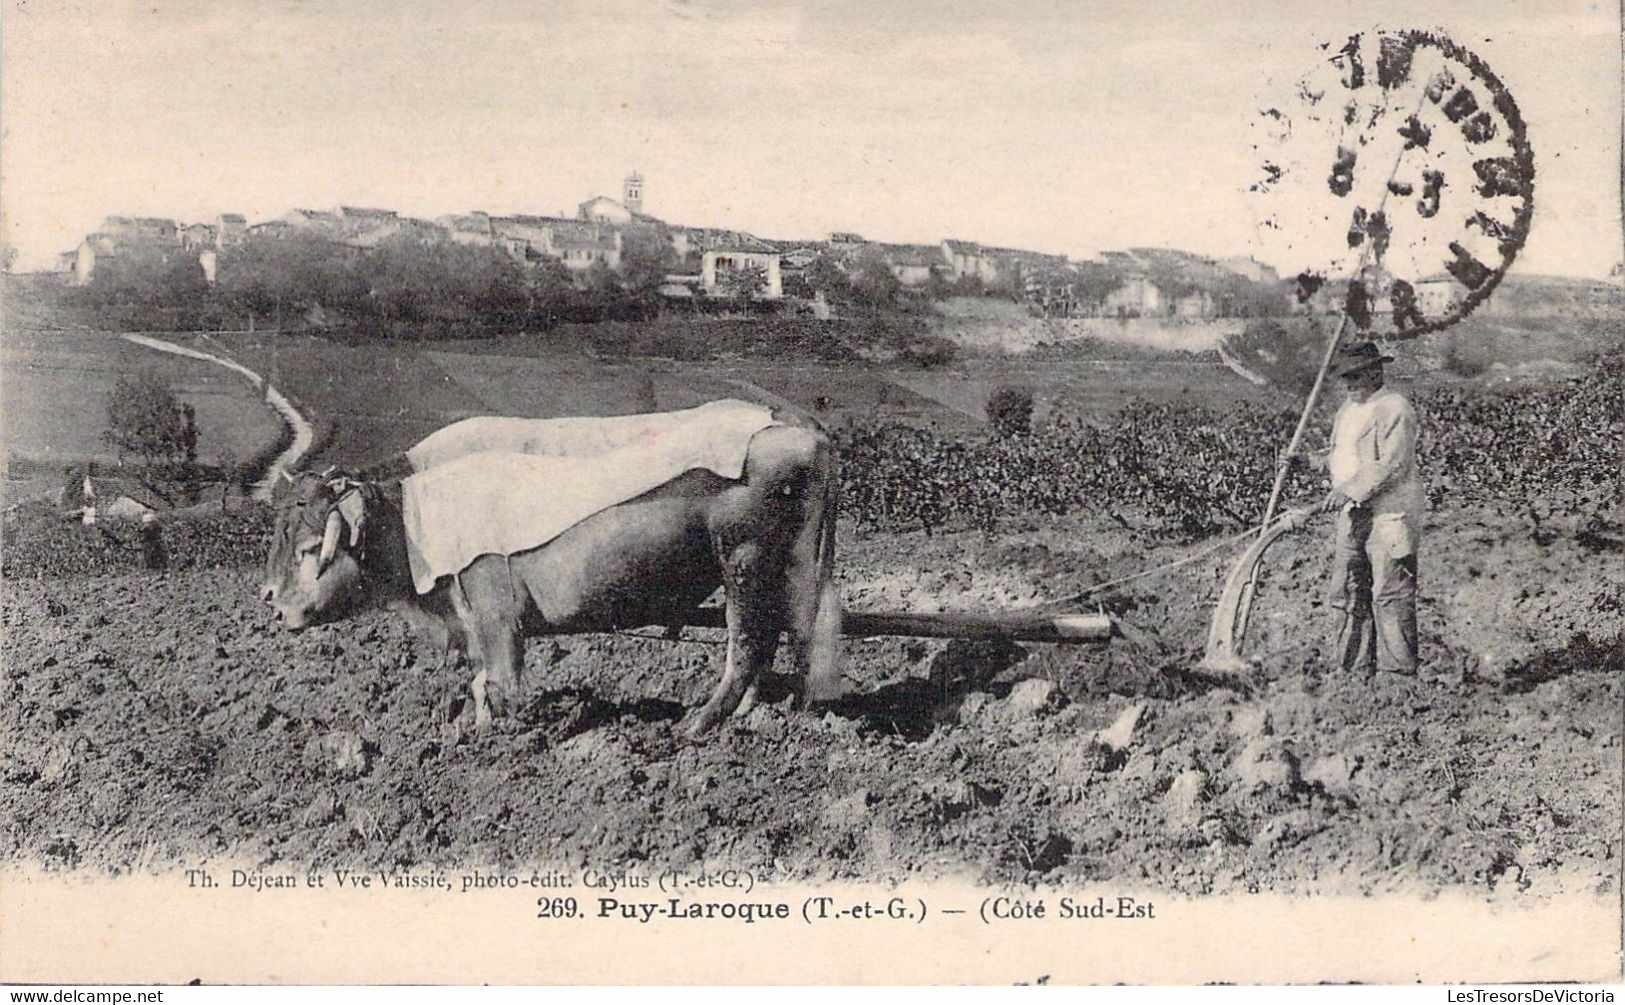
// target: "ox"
[[767, 539]]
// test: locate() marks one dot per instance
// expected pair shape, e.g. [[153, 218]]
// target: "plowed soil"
[[156, 720]]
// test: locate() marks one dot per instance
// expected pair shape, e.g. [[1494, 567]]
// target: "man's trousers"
[[1374, 591]]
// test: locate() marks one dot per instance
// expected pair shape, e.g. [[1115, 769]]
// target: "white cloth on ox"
[[502, 502], [579, 436]]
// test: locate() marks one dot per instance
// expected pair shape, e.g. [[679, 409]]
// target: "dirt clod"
[[1034, 697]]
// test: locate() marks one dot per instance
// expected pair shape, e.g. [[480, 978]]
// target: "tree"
[[548, 289], [1173, 281], [874, 283], [1240, 297], [289, 275], [148, 274], [647, 256], [600, 295], [825, 277], [745, 284], [1094, 282], [1007, 281], [143, 418]]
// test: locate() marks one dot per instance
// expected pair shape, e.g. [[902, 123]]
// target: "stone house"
[[369, 232], [912, 264], [1194, 305], [603, 209], [967, 259], [230, 229], [276, 229], [579, 250], [1437, 294], [95, 250], [313, 219], [719, 263], [696, 241], [196, 236], [1136, 297], [1249, 268], [473, 229], [138, 228]]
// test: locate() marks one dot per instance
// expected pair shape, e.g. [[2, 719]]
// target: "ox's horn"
[[330, 538]]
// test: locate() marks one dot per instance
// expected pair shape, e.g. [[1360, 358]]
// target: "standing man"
[[1378, 500]]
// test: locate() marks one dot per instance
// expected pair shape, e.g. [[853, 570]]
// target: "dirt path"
[[303, 434]]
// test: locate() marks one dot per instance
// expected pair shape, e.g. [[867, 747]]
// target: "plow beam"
[[1015, 626]]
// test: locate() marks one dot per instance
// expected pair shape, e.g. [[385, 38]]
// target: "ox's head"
[[314, 571]]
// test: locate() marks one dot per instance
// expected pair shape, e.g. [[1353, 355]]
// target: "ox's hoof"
[[699, 723], [813, 699], [454, 730], [503, 701], [748, 702]]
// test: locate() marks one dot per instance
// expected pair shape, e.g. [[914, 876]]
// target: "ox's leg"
[[486, 610], [496, 685], [812, 604], [753, 632]]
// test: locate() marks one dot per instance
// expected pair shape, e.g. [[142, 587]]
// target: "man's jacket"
[[1373, 458]]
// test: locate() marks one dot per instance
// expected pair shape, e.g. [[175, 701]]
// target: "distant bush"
[[1010, 411], [930, 352], [1463, 361]]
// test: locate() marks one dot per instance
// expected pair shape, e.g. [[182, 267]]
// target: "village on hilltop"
[[1130, 283], [1145, 282]]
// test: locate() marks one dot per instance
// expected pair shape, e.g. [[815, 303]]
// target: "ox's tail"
[[818, 614]]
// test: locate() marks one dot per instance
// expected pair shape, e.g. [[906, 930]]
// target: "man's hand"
[[1313, 458], [1334, 501]]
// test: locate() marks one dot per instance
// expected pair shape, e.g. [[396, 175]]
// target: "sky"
[[1067, 127]]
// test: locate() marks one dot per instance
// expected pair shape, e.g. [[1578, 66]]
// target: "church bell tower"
[[632, 192]]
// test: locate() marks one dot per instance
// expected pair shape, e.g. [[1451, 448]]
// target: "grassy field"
[[370, 401], [53, 392]]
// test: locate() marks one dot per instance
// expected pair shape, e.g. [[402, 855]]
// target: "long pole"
[[1284, 465]]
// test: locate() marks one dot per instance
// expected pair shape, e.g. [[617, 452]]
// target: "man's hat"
[[1359, 356]]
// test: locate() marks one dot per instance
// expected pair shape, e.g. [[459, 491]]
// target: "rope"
[[664, 637], [1218, 545]]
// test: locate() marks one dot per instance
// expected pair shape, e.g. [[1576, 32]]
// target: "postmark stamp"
[[1399, 176]]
